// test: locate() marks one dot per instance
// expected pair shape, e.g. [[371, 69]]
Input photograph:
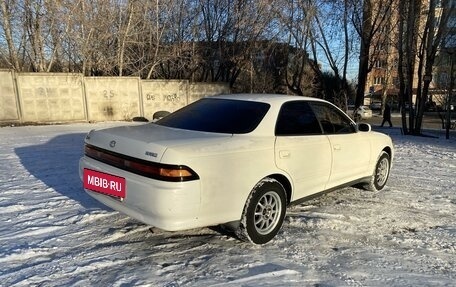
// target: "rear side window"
[[297, 118], [218, 116]]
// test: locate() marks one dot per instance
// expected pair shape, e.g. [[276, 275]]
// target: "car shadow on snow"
[[56, 164]]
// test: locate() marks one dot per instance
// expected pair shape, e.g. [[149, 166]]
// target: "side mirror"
[[363, 127]]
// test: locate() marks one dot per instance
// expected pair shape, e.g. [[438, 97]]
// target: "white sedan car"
[[362, 113], [232, 160]]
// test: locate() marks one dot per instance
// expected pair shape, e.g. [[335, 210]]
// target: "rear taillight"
[[166, 172]]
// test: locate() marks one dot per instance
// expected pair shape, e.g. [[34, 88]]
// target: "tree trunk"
[[123, 38], [400, 67], [432, 38], [6, 22], [366, 37]]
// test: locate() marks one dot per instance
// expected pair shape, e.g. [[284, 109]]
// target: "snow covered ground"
[[53, 234]]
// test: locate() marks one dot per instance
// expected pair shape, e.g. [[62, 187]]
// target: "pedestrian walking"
[[387, 115]]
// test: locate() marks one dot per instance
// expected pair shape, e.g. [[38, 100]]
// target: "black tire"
[[160, 114], [381, 173], [140, 119], [263, 213]]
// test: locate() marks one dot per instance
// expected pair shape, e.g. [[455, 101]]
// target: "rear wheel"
[[263, 213], [381, 172]]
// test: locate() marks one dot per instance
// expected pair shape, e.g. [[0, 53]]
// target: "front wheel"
[[263, 213], [381, 172]]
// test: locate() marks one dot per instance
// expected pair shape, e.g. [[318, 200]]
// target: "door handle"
[[284, 154], [336, 147]]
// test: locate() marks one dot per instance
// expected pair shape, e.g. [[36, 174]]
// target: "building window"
[[379, 81], [380, 64]]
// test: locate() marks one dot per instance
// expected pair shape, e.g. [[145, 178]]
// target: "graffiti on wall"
[[54, 97]]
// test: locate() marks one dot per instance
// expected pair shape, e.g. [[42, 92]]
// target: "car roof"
[[273, 99]]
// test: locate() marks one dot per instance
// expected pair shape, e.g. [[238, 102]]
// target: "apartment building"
[[383, 82]]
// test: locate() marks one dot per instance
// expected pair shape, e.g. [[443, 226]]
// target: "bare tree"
[[201, 40], [332, 36], [125, 24], [159, 19], [229, 32], [368, 17], [296, 18], [7, 9], [419, 40], [434, 29]]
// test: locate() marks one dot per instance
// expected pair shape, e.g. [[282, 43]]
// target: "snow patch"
[[53, 234]]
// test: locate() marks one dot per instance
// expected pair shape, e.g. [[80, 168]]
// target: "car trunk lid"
[[147, 142]]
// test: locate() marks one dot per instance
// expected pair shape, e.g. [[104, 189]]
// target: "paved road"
[[429, 121]]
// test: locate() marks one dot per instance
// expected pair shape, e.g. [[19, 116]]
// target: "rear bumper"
[[169, 206]]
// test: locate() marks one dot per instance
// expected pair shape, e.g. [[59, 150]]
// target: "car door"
[[350, 149], [301, 149]]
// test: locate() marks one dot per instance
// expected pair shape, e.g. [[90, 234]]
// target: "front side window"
[[297, 118], [332, 120]]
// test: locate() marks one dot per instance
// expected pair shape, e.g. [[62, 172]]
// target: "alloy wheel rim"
[[267, 212], [382, 171]]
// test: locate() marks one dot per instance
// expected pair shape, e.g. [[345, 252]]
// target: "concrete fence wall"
[[9, 109], [112, 98], [163, 96], [50, 97], [62, 97]]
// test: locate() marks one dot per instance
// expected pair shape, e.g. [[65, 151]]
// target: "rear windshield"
[[218, 116]]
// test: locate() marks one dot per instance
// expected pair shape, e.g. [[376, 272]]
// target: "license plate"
[[105, 183]]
